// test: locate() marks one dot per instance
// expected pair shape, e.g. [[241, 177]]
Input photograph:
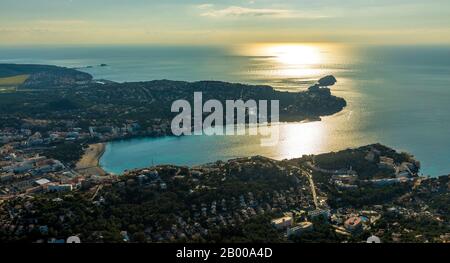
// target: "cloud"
[[238, 11], [205, 6]]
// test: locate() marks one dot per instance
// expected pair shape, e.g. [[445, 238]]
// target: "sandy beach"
[[89, 163]]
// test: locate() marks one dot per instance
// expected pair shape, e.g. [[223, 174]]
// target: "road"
[[148, 94], [313, 188], [96, 192]]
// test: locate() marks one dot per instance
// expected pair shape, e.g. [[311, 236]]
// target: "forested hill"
[[44, 76]]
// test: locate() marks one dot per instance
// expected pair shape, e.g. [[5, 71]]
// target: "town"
[[53, 125], [294, 200]]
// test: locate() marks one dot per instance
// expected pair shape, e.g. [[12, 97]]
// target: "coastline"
[[89, 164]]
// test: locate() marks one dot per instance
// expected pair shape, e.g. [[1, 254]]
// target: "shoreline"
[[89, 164]]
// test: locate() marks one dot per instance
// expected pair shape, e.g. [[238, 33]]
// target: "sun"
[[295, 54]]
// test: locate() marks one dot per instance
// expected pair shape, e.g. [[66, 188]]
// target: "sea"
[[396, 95]]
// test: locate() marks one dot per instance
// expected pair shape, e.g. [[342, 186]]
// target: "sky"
[[389, 22]]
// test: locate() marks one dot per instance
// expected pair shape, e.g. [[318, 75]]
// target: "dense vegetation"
[[356, 159], [132, 207], [65, 152], [141, 209], [256, 230], [364, 196]]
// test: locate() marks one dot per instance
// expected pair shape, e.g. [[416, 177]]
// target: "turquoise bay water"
[[398, 96]]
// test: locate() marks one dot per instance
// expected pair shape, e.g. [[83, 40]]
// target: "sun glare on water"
[[290, 60], [295, 54], [288, 66]]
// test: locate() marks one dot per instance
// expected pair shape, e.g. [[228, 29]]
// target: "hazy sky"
[[223, 22]]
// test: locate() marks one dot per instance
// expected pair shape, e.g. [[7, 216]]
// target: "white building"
[[42, 182], [283, 222]]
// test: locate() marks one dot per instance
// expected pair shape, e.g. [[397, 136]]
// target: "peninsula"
[[55, 110]]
